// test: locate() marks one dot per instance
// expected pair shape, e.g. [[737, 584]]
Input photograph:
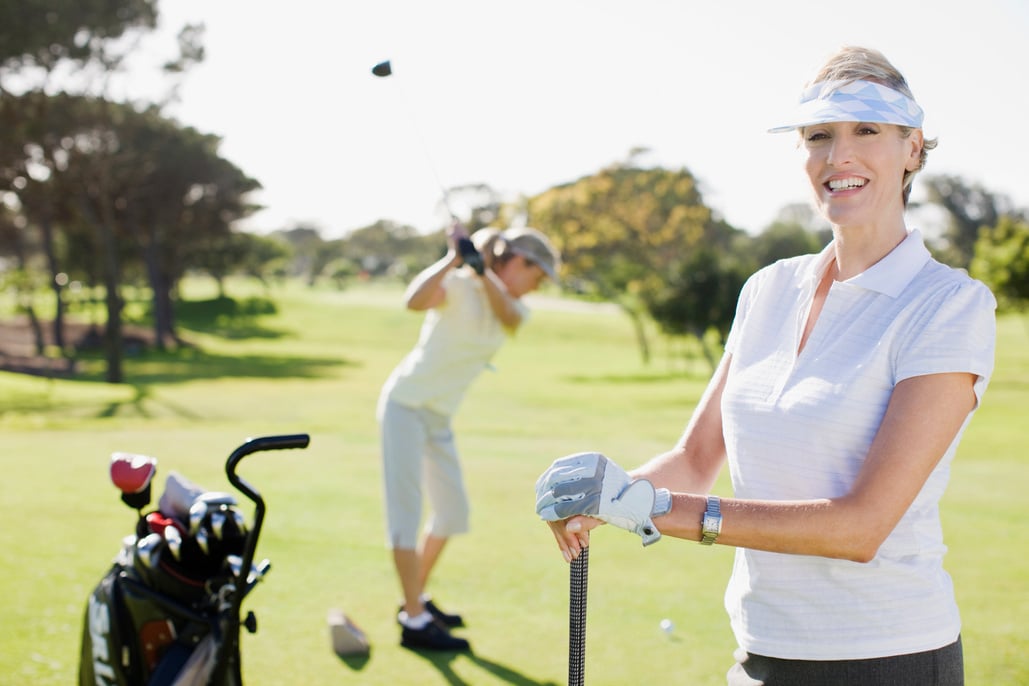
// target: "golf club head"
[[382, 69], [132, 474], [173, 539], [201, 538], [197, 512], [217, 524], [148, 547]]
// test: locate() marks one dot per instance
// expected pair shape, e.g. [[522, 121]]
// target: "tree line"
[[109, 193]]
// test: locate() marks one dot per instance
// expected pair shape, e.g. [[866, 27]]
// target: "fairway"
[[572, 380]]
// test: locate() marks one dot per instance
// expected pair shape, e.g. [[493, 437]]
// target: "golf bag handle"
[[252, 445]]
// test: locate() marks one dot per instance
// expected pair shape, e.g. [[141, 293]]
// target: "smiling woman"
[[848, 379]]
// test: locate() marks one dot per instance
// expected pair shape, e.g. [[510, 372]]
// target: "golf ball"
[[667, 626]]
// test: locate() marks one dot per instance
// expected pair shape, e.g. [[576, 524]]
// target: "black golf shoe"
[[433, 636], [446, 619]]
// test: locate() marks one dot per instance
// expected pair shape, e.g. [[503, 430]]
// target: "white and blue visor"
[[863, 101]]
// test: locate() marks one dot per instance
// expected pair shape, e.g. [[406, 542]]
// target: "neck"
[[857, 249]]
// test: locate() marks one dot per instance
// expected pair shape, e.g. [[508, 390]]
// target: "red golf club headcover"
[[132, 475]]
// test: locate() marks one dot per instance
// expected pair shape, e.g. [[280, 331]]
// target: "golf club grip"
[[578, 578]]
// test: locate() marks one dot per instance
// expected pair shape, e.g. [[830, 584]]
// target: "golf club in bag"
[[167, 613]]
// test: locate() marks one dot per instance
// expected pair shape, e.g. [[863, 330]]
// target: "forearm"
[[823, 527], [425, 290], [502, 304]]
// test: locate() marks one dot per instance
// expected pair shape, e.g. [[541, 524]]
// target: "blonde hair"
[[853, 63]]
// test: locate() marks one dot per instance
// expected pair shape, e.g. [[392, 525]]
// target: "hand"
[[590, 484]]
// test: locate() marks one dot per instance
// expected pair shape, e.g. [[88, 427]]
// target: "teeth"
[[844, 184]]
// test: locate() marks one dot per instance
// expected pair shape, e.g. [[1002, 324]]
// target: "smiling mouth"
[[845, 184]]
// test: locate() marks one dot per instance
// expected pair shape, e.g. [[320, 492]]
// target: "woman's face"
[[857, 170], [521, 275]]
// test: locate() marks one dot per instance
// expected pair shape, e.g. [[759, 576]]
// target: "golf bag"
[[167, 613]]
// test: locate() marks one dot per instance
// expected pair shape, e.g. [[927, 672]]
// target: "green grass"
[[571, 381]]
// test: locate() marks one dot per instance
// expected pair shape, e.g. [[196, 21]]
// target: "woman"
[[847, 381], [473, 304]]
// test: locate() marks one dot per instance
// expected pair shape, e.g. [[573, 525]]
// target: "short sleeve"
[[957, 334]]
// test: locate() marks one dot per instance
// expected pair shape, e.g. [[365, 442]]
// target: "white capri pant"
[[418, 448]]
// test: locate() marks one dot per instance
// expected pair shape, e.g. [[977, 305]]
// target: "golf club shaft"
[[385, 69], [578, 577]]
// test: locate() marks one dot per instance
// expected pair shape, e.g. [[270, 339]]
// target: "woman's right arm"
[[426, 290]]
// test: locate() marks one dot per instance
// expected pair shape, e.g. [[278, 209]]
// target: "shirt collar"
[[888, 276]]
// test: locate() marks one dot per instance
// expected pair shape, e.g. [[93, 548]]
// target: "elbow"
[[860, 549], [862, 555], [511, 321], [856, 533]]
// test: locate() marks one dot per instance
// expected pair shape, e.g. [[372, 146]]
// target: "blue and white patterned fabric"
[[864, 101]]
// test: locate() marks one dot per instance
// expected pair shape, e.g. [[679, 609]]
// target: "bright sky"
[[530, 94]]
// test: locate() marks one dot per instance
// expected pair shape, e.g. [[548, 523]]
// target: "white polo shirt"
[[800, 426], [456, 343]]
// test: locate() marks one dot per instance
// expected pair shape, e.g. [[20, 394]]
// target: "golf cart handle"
[[254, 445]]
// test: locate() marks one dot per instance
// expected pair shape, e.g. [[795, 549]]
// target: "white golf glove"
[[592, 485]]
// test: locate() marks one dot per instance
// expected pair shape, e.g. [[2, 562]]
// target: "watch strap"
[[662, 502], [711, 524]]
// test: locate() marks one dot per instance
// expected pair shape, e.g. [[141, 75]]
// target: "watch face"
[[710, 524]]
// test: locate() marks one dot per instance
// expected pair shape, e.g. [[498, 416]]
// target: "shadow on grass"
[[228, 318], [191, 364], [442, 662], [144, 368]]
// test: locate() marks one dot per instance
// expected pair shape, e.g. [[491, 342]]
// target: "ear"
[[916, 141]]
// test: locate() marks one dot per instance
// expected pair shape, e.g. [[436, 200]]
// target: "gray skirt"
[[941, 667]]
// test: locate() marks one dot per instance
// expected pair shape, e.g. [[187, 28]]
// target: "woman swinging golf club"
[[848, 379], [472, 299]]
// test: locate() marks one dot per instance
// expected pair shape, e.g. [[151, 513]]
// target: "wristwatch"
[[711, 524], [662, 502]]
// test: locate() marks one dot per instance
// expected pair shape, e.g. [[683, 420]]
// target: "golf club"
[[385, 69], [469, 253], [578, 577]]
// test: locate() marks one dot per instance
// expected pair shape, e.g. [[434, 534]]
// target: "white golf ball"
[[667, 626]]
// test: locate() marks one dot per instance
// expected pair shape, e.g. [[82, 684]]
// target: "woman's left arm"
[[500, 301], [924, 415]]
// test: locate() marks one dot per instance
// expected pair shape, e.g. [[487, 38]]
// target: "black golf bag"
[[167, 613]]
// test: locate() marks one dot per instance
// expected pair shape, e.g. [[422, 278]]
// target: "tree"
[[37, 36], [781, 240], [970, 207], [93, 39], [626, 231], [700, 297], [1001, 261]]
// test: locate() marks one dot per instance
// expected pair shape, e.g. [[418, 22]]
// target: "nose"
[[840, 151]]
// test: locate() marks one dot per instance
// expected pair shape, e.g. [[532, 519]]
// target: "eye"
[[815, 135], [867, 130]]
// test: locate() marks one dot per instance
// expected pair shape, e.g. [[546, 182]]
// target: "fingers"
[[572, 535]]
